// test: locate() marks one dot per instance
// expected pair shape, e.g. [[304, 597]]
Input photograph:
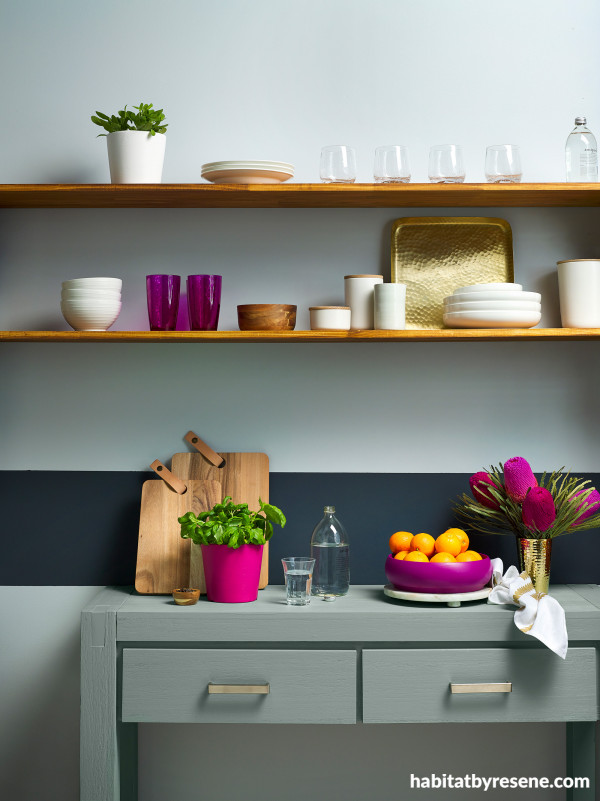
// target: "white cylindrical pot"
[[135, 157], [329, 318], [390, 304], [358, 290], [579, 293]]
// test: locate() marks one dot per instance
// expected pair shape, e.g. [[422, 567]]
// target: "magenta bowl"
[[442, 578]]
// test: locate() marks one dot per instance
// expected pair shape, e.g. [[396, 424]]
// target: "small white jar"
[[329, 318], [390, 304], [358, 290]]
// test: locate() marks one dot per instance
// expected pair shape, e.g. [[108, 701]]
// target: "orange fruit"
[[468, 556], [400, 541], [444, 557], [401, 554], [462, 535], [423, 543], [415, 556], [448, 543]]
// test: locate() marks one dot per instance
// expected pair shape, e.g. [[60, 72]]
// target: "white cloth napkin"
[[538, 614]]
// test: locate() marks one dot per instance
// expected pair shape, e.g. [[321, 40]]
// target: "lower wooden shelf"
[[422, 335]]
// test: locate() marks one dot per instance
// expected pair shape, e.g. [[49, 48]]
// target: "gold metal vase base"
[[534, 558]]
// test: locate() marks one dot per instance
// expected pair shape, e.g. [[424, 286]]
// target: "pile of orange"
[[451, 546]]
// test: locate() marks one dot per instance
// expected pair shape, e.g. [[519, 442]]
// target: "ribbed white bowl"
[[492, 318], [94, 283], [90, 317], [90, 294]]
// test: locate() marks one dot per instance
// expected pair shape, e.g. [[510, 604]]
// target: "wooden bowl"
[[266, 317], [186, 596]]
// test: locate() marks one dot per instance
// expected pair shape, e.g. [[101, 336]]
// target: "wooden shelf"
[[292, 195], [445, 335]]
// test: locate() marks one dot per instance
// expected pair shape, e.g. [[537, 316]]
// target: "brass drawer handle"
[[238, 689], [499, 687]]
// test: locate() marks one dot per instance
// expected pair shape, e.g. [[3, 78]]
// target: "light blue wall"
[[278, 80]]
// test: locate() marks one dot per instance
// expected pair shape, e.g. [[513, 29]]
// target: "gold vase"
[[534, 558]]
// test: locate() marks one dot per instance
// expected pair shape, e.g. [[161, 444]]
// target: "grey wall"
[[278, 80]]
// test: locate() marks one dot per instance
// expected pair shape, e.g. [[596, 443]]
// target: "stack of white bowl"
[[492, 306], [91, 304]]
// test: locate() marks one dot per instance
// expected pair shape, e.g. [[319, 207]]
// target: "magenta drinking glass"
[[204, 301], [163, 301]]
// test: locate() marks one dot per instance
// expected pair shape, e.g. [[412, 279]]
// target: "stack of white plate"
[[91, 304], [492, 306], [247, 172]]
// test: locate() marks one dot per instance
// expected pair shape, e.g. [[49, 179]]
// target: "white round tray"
[[450, 598]]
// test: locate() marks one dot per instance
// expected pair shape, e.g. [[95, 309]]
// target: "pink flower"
[[538, 509], [518, 478], [477, 483], [590, 505]]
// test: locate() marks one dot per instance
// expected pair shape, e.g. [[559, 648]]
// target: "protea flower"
[[518, 478], [590, 505], [538, 510], [477, 483]]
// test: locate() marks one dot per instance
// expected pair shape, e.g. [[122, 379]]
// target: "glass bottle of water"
[[329, 548], [581, 153]]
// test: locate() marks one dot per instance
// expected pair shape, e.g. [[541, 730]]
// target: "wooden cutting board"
[[244, 476], [164, 560]]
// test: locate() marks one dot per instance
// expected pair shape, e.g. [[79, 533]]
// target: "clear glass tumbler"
[[391, 165], [204, 301], [338, 164], [297, 571], [162, 292], [503, 164], [446, 165]]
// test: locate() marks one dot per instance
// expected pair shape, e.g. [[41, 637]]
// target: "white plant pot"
[[135, 157]]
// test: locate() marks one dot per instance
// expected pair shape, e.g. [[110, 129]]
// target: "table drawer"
[[413, 685], [172, 686]]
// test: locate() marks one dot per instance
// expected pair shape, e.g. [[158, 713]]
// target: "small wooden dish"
[[266, 317], [186, 596]]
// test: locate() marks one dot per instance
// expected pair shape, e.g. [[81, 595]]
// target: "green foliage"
[[146, 119], [508, 518], [232, 524]]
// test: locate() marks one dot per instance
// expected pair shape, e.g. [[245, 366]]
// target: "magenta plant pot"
[[232, 574]]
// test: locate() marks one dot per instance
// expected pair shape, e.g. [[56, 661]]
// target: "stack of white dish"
[[247, 172], [91, 304], [492, 306]]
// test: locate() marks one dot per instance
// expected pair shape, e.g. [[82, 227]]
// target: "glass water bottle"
[[581, 153], [329, 548]]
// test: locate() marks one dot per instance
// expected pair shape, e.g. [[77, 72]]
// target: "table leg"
[[108, 748], [581, 758]]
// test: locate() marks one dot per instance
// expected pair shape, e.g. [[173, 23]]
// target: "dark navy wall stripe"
[[81, 528]]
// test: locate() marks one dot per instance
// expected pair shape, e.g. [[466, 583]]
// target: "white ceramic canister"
[[358, 290], [390, 304], [135, 157], [329, 318], [579, 293]]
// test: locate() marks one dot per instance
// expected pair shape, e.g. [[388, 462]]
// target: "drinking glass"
[[297, 571], [391, 165], [204, 301], [446, 165], [338, 164], [162, 292], [503, 164]]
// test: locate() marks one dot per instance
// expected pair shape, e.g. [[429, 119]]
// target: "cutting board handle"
[[176, 484], [204, 449]]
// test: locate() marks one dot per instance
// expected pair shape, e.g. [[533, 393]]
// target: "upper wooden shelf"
[[291, 195], [443, 335]]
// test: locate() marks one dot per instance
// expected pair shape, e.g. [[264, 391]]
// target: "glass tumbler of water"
[[391, 165], [446, 165], [297, 572], [503, 164]]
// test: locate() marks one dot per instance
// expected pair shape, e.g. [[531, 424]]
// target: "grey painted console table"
[[143, 659]]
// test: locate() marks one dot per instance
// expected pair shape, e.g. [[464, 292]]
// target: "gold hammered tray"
[[434, 256]]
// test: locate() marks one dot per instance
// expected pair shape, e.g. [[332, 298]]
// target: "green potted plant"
[[510, 499], [232, 539], [136, 144]]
